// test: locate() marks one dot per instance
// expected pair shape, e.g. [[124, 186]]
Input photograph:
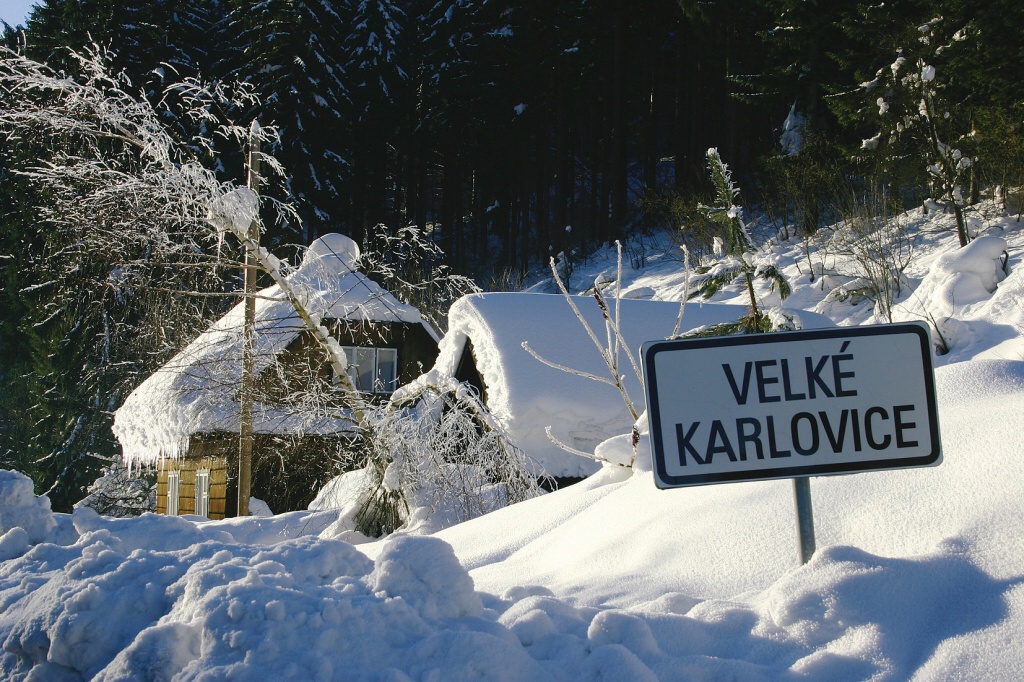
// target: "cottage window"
[[203, 492], [373, 370], [173, 491]]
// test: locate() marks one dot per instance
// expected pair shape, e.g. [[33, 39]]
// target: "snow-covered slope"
[[919, 574]]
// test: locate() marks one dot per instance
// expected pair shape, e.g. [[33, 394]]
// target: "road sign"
[[791, 404]]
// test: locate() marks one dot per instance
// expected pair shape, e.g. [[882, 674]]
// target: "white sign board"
[[790, 404]]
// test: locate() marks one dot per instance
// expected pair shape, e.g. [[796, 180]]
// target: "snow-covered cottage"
[[484, 347], [184, 419]]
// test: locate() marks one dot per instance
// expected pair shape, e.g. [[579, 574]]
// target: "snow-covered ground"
[[919, 573]]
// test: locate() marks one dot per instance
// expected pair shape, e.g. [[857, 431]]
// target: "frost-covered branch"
[[568, 370], [686, 291], [234, 212], [609, 351]]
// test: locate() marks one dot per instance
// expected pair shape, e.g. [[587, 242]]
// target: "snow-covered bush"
[[678, 214], [120, 494], [434, 457], [878, 248], [955, 280]]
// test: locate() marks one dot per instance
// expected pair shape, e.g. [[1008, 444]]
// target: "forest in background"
[[508, 132]]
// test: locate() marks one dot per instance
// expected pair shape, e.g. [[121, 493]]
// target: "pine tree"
[[918, 116], [377, 64], [734, 248], [291, 53]]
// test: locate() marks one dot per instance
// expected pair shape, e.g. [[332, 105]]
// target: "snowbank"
[[162, 597], [24, 518], [917, 575]]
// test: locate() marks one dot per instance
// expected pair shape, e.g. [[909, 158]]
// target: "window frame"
[[173, 492], [202, 489], [352, 354]]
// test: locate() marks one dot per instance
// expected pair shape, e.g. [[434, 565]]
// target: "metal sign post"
[[791, 405], [804, 518]]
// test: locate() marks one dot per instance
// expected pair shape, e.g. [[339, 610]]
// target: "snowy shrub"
[[119, 494], [436, 457], [877, 246], [678, 214]]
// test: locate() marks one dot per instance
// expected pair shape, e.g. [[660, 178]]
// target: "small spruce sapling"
[[735, 253]]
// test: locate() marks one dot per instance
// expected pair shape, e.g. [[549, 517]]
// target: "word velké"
[[805, 433]]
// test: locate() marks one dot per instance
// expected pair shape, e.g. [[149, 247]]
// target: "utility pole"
[[245, 437]]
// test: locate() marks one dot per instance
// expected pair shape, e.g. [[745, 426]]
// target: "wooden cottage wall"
[[417, 351], [161, 488], [187, 468], [289, 470]]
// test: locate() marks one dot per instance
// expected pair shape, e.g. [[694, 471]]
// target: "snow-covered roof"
[[526, 396], [195, 391]]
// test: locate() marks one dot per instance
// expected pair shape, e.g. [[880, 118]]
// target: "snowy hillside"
[[919, 573]]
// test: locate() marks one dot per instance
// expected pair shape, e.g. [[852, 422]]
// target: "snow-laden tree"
[[734, 249], [917, 115], [377, 52], [291, 54], [136, 226], [118, 243]]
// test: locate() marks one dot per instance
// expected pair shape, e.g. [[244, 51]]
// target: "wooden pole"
[[245, 437]]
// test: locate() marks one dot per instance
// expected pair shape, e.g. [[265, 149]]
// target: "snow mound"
[[424, 572], [21, 509], [967, 275], [334, 251]]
